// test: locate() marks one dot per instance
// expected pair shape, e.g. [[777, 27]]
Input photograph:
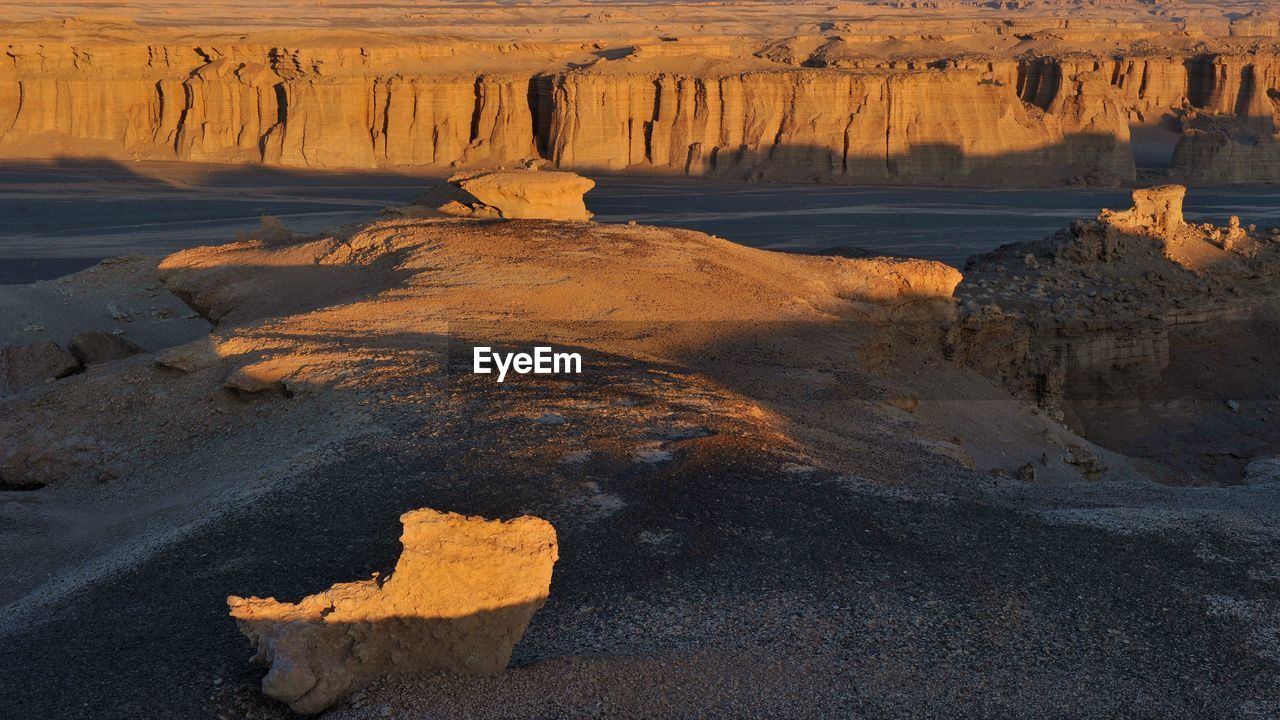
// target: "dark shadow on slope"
[[902, 605]]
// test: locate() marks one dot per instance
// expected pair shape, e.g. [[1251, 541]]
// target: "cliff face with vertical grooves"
[[1231, 135], [1040, 120], [952, 125]]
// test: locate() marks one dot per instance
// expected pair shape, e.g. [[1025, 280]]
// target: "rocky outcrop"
[[459, 599], [1230, 132], [96, 346], [1111, 324], [1156, 211], [529, 194]]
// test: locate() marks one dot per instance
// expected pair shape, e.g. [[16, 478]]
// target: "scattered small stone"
[[577, 457], [652, 457]]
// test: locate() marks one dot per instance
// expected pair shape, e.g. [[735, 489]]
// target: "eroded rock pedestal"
[[460, 597], [529, 194]]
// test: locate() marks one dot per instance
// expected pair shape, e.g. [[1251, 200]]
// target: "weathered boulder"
[[459, 599], [96, 346], [24, 366], [529, 194], [189, 358], [1263, 470]]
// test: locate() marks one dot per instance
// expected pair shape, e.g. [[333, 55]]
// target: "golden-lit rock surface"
[[855, 92], [390, 275], [459, 598], [529, 194]]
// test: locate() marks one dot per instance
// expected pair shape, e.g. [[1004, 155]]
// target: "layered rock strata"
[[962, 92], [821, 115], [944, 126]]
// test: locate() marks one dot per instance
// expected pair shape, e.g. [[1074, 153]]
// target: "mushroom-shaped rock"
[[529, 194], [459, 599]]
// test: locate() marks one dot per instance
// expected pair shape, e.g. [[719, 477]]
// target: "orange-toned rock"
[[1156, 210], [530, 194], [459, 599]]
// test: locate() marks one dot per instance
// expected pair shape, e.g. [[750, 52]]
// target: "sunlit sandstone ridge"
[[846, 93]]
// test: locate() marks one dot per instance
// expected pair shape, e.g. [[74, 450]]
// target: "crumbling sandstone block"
[[1156, 210], [459, 599], [530, 194]]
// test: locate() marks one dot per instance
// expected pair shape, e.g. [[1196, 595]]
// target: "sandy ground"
[[786, 502]]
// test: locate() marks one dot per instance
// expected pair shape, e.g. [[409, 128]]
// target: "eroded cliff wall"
[[1038, 121], [947, 125]]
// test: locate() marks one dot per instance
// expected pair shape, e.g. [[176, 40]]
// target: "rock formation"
[[24, 366], [529, 194], [96, 346], [459, 599], [838, 107], [950, 126], [1103, 317], [1156, 211]]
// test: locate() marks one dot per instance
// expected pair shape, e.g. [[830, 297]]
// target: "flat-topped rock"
[[529, 194], [1156, 210]]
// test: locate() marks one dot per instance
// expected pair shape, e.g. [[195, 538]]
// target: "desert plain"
[[256, 476]]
